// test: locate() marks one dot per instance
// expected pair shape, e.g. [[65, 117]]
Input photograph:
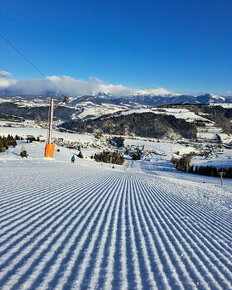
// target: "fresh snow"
[[94, 110], [32, 129], [221, 160], [224, 105], [89, 226]]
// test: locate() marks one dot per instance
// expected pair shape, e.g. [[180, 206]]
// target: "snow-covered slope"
[[88, 226]]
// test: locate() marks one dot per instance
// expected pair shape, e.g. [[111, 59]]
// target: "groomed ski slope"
[[75, 226]]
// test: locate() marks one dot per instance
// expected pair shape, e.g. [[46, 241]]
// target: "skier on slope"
[[73, 159]]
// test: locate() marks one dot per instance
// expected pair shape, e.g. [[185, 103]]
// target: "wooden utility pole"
[[50, 121], [221, 175], [50, 147]]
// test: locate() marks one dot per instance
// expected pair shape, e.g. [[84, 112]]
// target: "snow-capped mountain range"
[[90, 106], [103, 103]]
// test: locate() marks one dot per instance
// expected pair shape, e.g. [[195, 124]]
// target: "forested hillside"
[[218, 114], [12, 109], [143, 125]]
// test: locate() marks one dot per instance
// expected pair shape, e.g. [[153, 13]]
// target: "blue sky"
[[183, 45]]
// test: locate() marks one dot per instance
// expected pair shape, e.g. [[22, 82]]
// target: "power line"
[[31, 63]]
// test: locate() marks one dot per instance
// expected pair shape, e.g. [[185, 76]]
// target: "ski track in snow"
[[66, 227]]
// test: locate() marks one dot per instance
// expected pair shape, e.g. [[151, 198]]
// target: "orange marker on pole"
[[50, 148]]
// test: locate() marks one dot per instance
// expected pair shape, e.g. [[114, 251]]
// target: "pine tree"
[[80, 155], [2, 148]]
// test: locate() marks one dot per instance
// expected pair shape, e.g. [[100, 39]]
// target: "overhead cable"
[[31, 63]]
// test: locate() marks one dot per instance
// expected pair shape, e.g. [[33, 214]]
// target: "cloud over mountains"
[[5, 74], [70, 86]]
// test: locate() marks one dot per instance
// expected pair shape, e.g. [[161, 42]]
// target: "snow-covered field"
[[222, 160], [208, 132], [89, 226], [90, 109], [32, 129], [179, 113]]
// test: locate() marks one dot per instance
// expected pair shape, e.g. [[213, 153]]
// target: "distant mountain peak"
[[211, 98], [215, 96], [104, 95]]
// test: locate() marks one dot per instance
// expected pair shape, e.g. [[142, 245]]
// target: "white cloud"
[[6, 83], [71, 87], [32, 86], [155, 92], [5, 74], [114, 90]]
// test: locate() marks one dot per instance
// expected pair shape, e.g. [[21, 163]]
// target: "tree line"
[[109, 157], [5, 142], [211, 171], [183, 164]]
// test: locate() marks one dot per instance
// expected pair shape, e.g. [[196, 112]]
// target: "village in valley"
[[115, 145]]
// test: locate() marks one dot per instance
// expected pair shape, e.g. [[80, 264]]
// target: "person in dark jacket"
[[73, 159]]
